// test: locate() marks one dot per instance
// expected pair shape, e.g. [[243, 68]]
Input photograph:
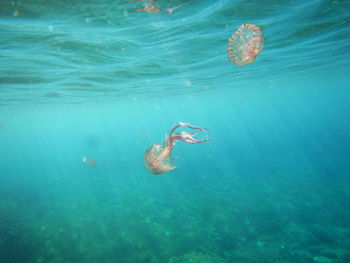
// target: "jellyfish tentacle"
[[183, 124], [189, 137], [172, 9], [189, 125], [186, 136]]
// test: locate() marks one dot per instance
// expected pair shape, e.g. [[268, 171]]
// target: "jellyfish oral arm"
[[184, 136], [182, 124], [188, 138]]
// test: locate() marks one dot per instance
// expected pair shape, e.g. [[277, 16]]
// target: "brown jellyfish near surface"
[[158, 160], [152, 8], [245, 44], [149, 8]]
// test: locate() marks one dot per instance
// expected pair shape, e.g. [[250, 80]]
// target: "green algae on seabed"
[[321, 259], [197, 257]]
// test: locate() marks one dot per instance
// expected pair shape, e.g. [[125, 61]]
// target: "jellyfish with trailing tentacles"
[[158, 159], [245, 44], [152, 8], [149, 8], [92, 163]]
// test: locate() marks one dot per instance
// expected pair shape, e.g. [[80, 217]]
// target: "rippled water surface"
[[74, 51]]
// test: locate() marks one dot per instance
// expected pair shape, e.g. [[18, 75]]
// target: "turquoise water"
[[98, 79]]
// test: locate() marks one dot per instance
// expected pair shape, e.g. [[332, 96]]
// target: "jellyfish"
[[151, 8], [158, 159], [245, 44], [92, 163]]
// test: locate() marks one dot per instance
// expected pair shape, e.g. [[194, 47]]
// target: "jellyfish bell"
[[155, 162], [245, 44]]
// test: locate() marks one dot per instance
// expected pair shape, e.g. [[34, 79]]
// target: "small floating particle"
[[188, 83]]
